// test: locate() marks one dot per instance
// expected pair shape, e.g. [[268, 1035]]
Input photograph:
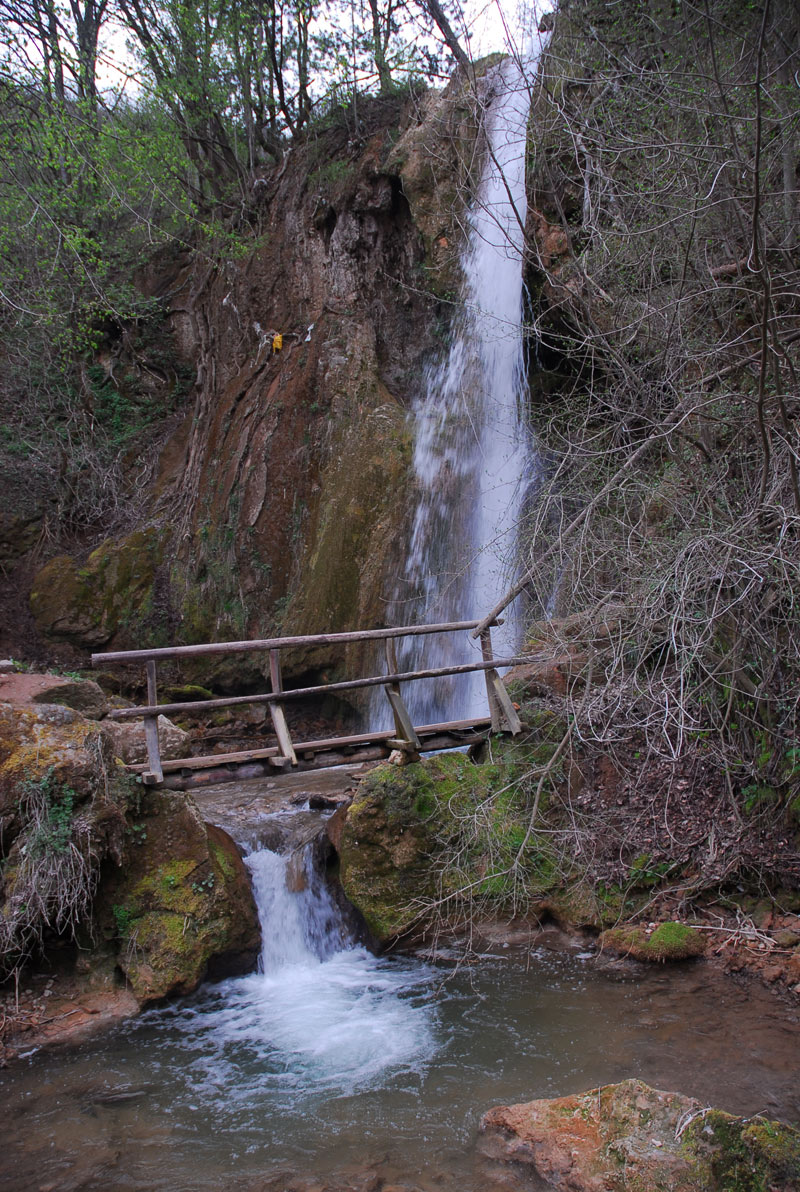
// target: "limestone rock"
[[129, 740], [82, 695], [180, 907], [62, 814], [111, 595], [628, 1137]]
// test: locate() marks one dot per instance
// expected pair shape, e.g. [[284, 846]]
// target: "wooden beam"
[[403, 724], [508, 713], [209, 705], [276, 711], [487, 655], [279, 643], [455, 729], [154, 775], [191, 775]]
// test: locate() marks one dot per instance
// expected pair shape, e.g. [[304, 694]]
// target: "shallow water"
[[352, 1061]]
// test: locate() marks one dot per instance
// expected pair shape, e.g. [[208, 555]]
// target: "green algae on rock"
[[629, 1137], [445, 833], [110, 597], [180, 907], [668, 941]]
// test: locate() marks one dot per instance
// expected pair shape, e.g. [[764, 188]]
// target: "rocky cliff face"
[[280, 496]]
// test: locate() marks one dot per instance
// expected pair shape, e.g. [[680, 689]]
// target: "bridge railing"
[[502, 714]]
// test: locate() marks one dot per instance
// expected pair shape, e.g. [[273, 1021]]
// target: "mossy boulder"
[[51, 744], [110, 597], [668, 941], [180, 906], [428, 838], [629, 1137], [63, 799]]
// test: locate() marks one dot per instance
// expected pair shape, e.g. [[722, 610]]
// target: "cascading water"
[[333, 1068], [322, 1013], [473, 455]]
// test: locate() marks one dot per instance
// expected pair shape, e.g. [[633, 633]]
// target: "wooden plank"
[[190, 779], [508, 713], [487, 655], [454, 728], [209, 705], [154, 774], [279, 643]]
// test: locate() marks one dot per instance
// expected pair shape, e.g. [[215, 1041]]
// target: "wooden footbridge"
[[406, 737]]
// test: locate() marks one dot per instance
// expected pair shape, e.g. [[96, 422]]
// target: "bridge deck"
[[186, 772], [312, 755]]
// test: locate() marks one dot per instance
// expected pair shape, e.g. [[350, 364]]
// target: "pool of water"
[[344, 1060]]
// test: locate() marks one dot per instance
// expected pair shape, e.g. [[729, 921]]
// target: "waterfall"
[[473, 456], [321, 1013]]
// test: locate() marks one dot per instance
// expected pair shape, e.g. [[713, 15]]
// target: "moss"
[[186, 898], [669, 941], [185, 693], [742, 1156], [111, 595], [222, 860], [445, 828]]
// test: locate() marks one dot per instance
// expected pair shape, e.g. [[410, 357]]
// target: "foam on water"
[[321, 1014]]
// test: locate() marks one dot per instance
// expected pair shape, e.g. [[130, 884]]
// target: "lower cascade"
[[321, 1012], [331, 1068]]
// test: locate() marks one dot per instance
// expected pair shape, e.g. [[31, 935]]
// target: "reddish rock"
[[630, 1138]]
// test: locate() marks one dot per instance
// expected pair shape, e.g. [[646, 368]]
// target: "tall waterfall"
[[473, 455]]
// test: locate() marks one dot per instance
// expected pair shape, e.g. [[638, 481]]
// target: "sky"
[[492, 23]]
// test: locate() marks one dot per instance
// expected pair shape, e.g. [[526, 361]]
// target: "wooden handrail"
[[406, 738], [279, 643], [270, 697]]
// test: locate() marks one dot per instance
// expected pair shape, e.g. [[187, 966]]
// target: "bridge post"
[[501, 709], [155, 774], [406, 738], [276, 711]]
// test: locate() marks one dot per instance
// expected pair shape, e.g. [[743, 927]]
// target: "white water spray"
[[473, 456], [322, 1013]]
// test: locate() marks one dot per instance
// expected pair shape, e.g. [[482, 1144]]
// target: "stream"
[[331, 1063]]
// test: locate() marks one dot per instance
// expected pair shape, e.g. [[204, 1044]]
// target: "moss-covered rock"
[[109, 597], [432, 836], [628, 1137], [181, 904], [63, 798], [54, 745], [668, 941]]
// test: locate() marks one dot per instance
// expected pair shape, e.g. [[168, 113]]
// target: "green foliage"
[[53, 831], [204, 885], [124, 919]]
